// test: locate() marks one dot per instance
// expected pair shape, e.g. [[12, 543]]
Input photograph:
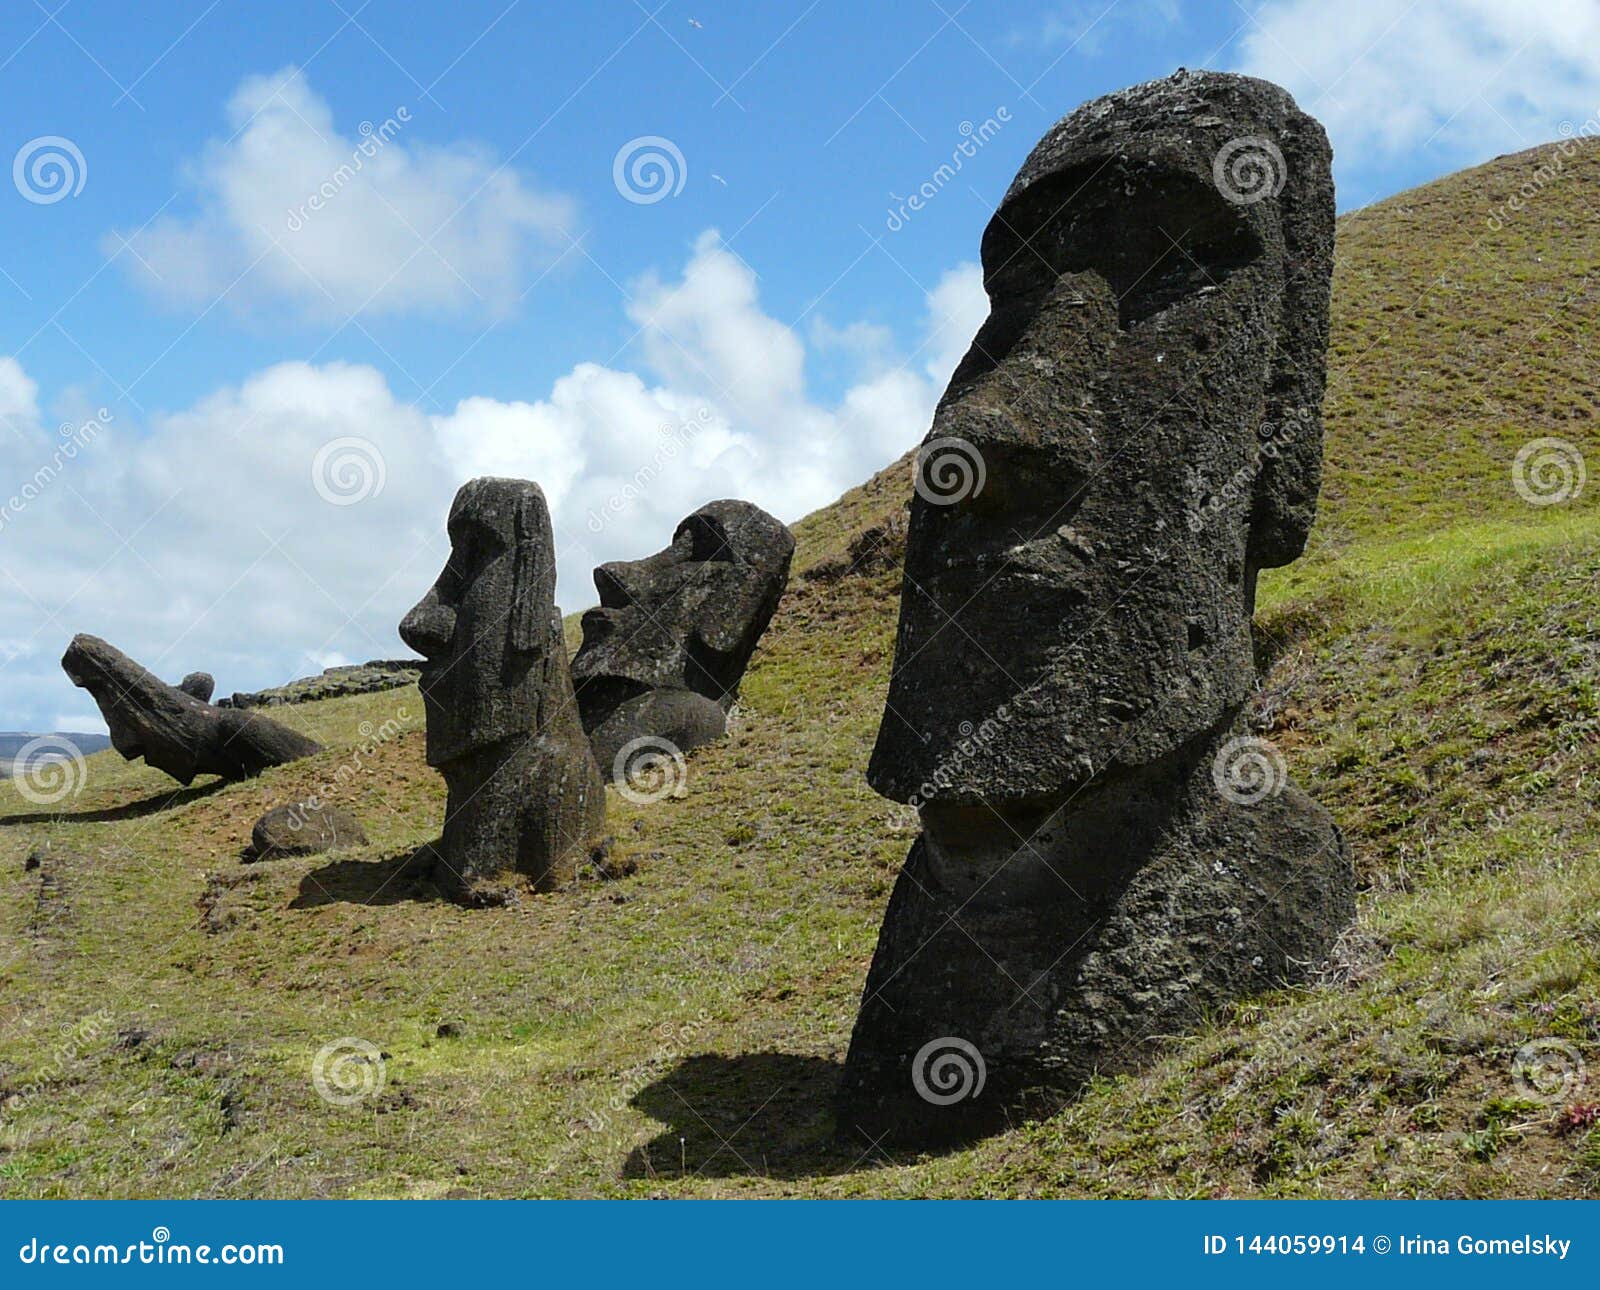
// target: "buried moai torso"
[[526, 802], [664, 651], [1135, 432]]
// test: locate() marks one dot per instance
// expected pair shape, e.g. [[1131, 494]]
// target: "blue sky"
[[479, 294]]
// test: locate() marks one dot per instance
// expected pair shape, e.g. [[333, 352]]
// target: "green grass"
[[1434, 679]]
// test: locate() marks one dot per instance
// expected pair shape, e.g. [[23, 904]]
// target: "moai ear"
[[533, 577], [1285, 500]]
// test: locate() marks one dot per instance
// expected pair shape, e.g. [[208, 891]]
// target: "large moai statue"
[[526, 802], [665, 650], [1105, 853], [170, 726]]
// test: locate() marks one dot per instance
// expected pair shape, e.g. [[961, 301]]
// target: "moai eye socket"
[[1156, 236]]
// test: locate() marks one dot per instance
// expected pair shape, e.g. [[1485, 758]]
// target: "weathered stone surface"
[[526, 801], [199, 685], [304, 828], [1134, 433], [171, 730], [665, 650]]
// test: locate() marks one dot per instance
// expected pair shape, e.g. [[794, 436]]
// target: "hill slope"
[[1434, 679]]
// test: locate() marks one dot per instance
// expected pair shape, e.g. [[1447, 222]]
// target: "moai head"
[[484, 626], [1134, 433], [688, 617]]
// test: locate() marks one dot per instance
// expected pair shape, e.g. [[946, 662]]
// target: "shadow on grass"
[[162, 801], [389, 881], [756, 1114]]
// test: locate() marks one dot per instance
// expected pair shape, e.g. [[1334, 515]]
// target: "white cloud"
[[1472, 77], [291, 209], [19, 395], [202, 540]]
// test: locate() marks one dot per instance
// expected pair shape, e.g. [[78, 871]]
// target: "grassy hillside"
[[1435, 680]]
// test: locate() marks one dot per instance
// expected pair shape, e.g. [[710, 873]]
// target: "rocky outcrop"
[[333, 683]]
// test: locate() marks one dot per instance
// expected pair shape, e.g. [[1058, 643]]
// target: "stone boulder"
[[199, 685], [304, 828]]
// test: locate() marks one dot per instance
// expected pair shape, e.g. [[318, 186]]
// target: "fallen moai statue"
[[171, 729]]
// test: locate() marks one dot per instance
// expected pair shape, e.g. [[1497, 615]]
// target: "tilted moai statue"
[[526, 802], [170, 726], [665, 650], [1135, 432]]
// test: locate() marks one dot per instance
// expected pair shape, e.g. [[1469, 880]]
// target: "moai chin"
[[526, 802], [1105, 852]]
